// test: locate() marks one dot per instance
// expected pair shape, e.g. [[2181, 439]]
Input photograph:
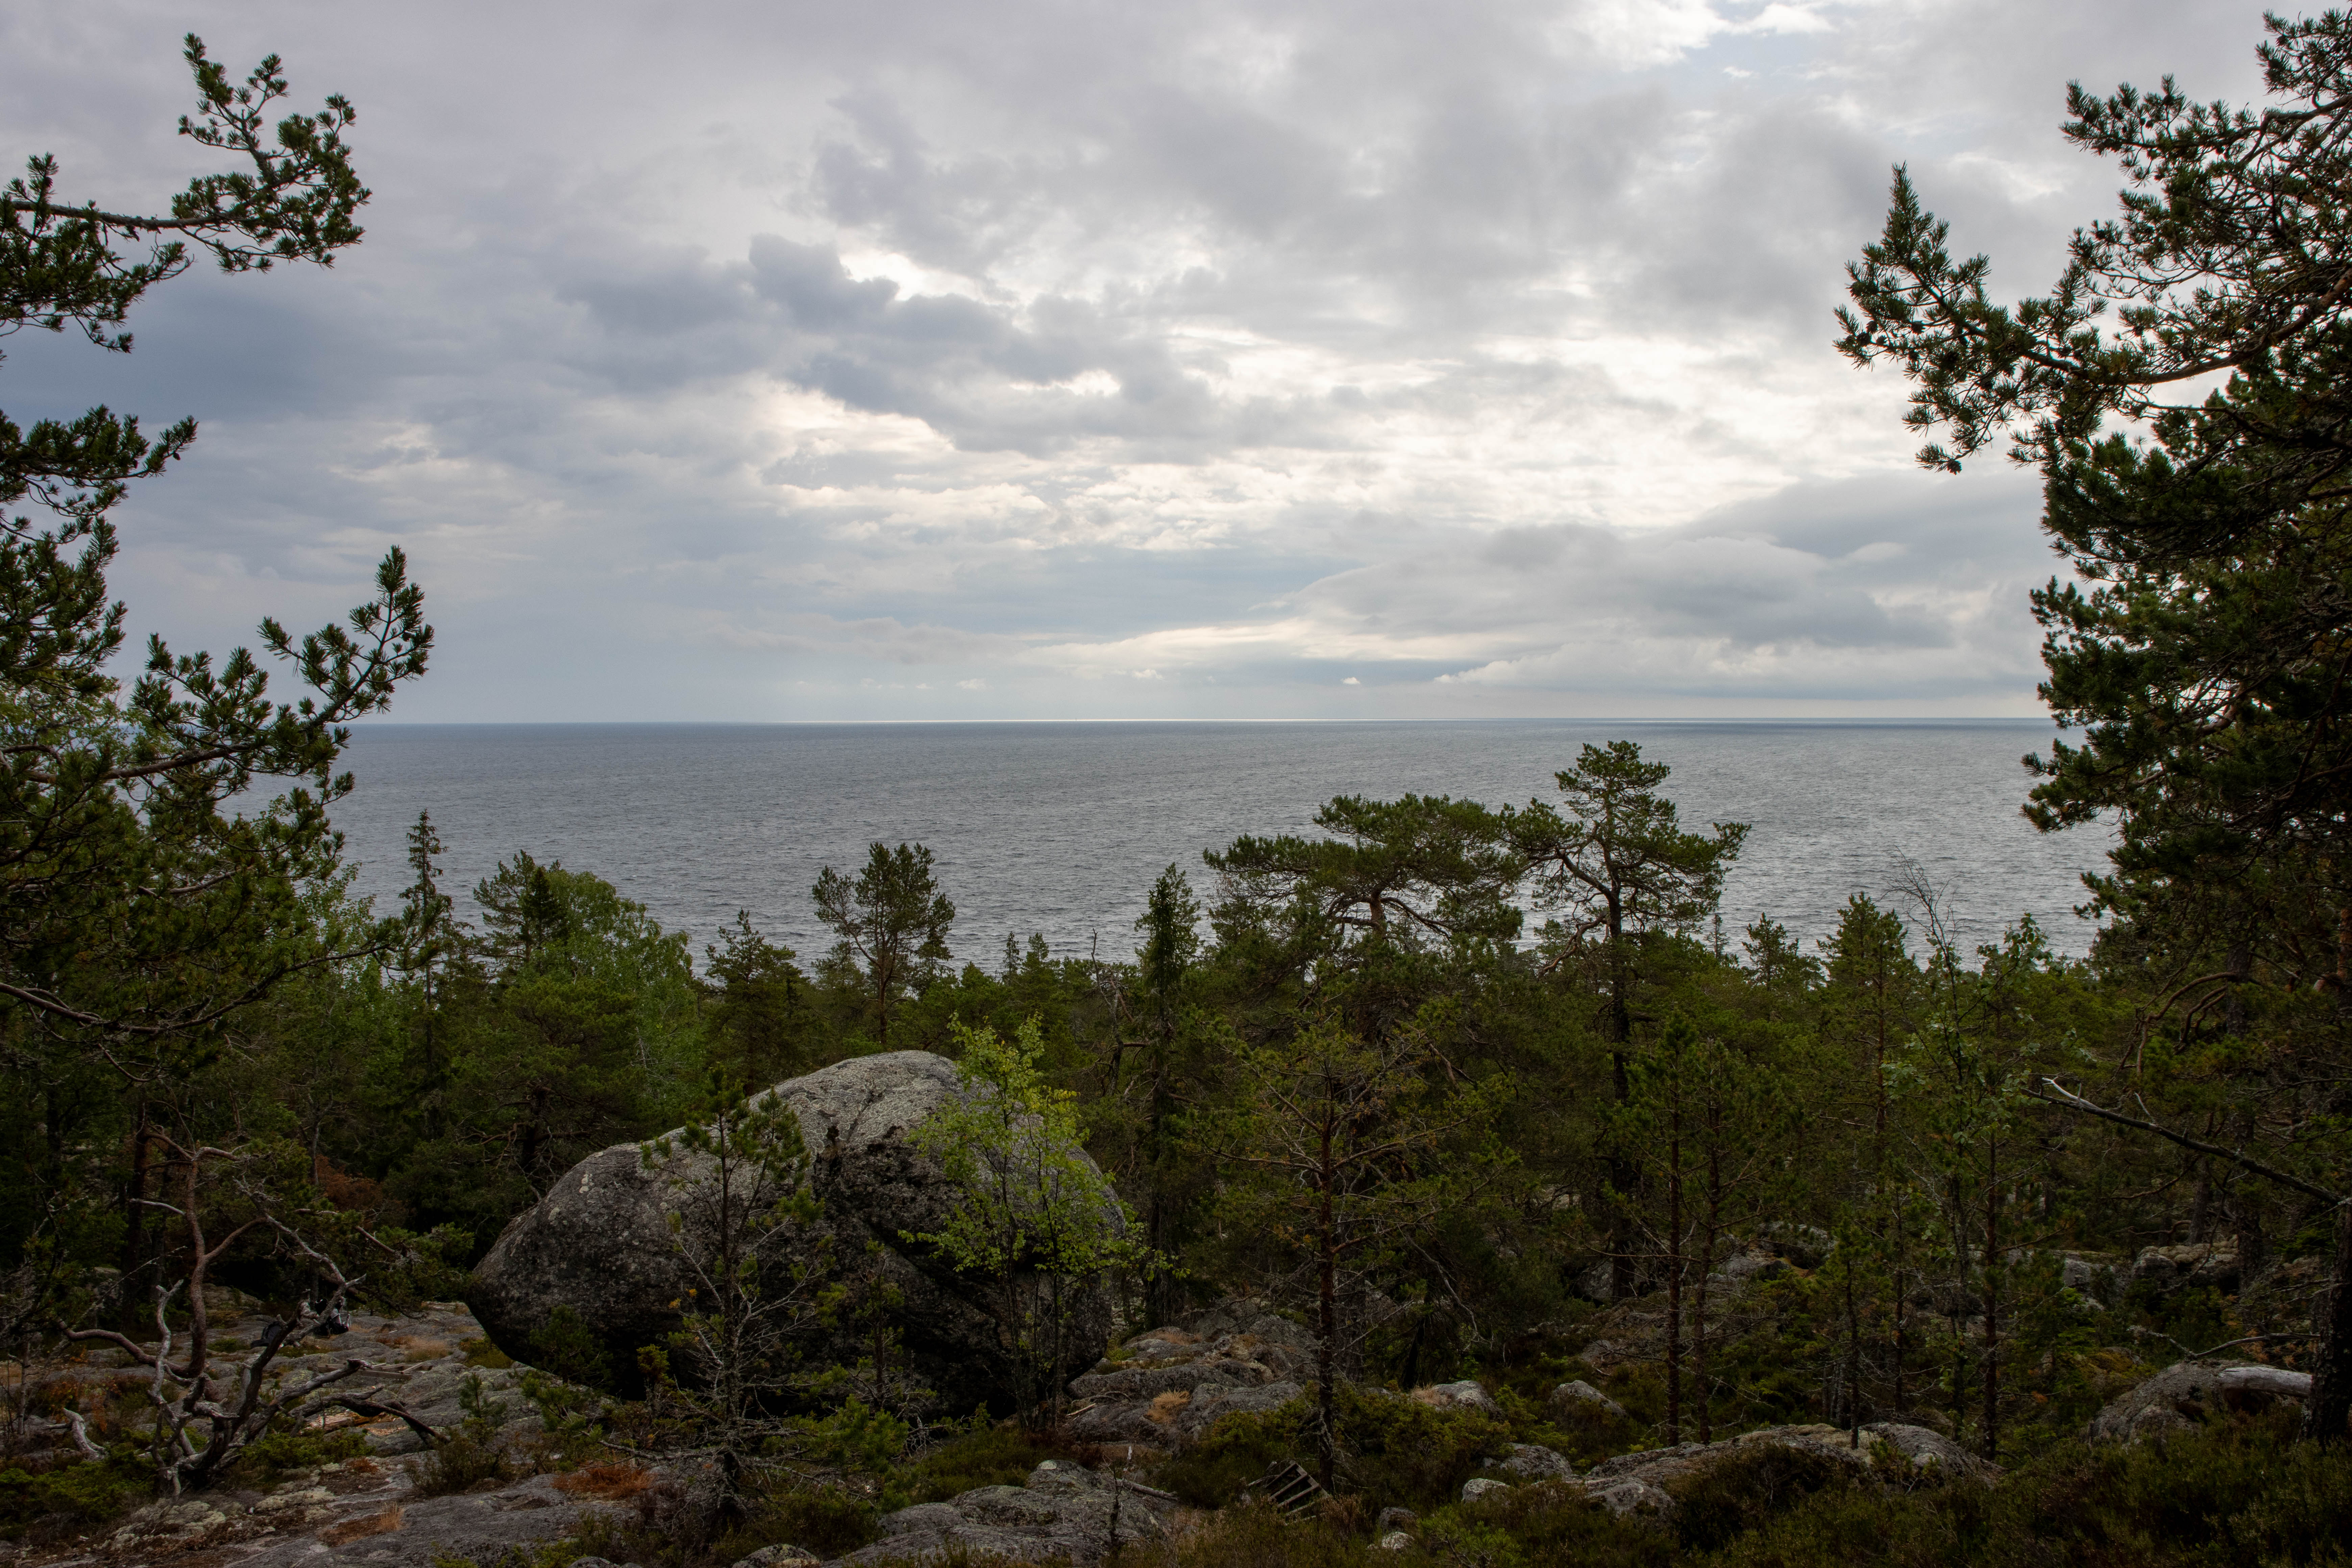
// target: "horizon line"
[[1479, 719]]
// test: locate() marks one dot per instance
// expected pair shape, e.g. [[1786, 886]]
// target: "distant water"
[[1060, 828]]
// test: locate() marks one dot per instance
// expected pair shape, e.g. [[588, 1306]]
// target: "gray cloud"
[[1190, 358]]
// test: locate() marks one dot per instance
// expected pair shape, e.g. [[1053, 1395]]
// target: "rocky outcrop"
[[598, 1243], [1643, 1484], [2192, 1264], [1165, 1388], [2188, 1393], [1066, 1512]]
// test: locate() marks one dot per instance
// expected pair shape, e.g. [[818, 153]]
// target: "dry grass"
[[607, 1480], [360, 1529]]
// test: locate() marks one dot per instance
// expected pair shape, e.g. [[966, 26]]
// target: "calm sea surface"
[[1060, 828]]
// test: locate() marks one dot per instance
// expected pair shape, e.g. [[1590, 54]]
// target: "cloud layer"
[[760, 362]]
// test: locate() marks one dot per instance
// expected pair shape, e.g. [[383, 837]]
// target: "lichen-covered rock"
[[599, 1244], [1066, 1511], [777, 1556], [1532, 1462], [1167, 1386], [1581, 1397], [1642, 1484], [1462, 1396], [2199, 1263], [2188, 1393], [1924, 1448], [1632, 1494], [1478, 1487]]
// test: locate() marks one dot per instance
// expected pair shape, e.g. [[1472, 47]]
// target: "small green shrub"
[[285, 1448], [1747, 1488], [1548, 1524], [72, 1496], [1399, 1451], [480, 1352], [566, 1346], [471, 1456], [1255, 1536], [987, 1456], [825, 1519], [1236, 1450], [568, 1435]]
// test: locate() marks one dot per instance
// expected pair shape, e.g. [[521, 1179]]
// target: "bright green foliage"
[[1038, 1226]]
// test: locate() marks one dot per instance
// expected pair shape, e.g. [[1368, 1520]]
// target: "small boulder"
[[1926, 1449], [1462, 1396], [1532, 1462], [779, 1556], [1632, 1495], [1478, 1487], [1581, 1398], [2197, 1263]]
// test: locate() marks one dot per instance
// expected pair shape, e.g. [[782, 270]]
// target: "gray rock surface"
[[1532, 1462], [1743, 1266], [598, 1242], [1642, 1483], [777, 1556], [390, 1527], [1164, 1388], [1478, 1487], [2200, 1264], [1462, 1396], [2188, 1393], [1064, 1511], [1573, 1398]]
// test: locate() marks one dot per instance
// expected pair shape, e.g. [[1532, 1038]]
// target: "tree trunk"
[[1675, 1268], [2330, 1405], [134, 1218], [1704, 1379], [1622, 1174], [1327, 1315], [1894, 1277], [1992, 1304]]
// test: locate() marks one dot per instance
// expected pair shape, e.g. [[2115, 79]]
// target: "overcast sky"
[[777, 361]]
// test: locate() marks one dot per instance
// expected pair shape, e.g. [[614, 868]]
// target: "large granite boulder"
[[599, 1244]]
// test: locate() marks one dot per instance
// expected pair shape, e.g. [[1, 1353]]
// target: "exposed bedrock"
[[598, 1242]]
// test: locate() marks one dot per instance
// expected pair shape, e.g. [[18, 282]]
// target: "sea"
[[1060, 828]]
